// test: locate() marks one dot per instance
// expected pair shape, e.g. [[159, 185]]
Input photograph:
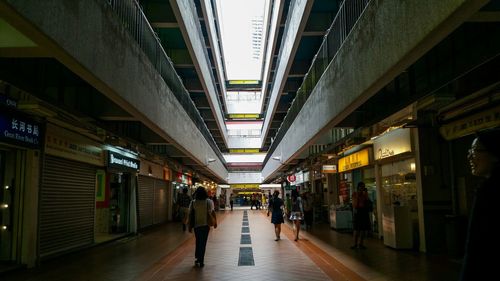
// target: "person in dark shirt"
[[183, 201], [484, 160], [276, 207]]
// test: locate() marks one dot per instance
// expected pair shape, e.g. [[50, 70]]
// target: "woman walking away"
[[199, 209], [484, 160], [297, 214], [360, 202], [276, 207]]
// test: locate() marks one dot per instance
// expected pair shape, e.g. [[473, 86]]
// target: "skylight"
[[243, 30]]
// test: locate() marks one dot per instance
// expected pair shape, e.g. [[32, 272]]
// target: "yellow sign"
[[243, 82], [473, 123], [244, 150], [245, 186], [243, 116], [355, 160]]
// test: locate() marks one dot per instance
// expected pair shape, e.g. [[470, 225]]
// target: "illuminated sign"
[[19, 129], [122, 162], [245, 186], [329, 169], [354, 161], [391, 144], [243, 82]]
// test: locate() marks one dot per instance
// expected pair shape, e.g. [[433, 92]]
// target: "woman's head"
[[484, 153], [201, 193], [361, 186], [276, 193]]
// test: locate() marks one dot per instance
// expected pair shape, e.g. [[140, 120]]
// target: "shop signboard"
[[122, 162], [18, 129], [329, 169], [392, 143], [291, 178], [353, 161], [299, 177], [66, 144], [482, 120]]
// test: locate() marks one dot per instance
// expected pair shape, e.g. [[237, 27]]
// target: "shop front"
[[153, 194], [20, 143], [393, 153], [118, 210], [71, 168], [353, 168]]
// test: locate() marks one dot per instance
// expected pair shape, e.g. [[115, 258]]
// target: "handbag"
[[211, 218]]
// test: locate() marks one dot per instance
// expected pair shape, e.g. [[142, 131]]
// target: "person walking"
[[183, 201], [199, 209], [361, 221], [307, 202], [297, 213], [231, 201], [276, 207], [484, 160]]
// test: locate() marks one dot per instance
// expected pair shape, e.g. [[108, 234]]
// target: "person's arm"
[[211, 209]]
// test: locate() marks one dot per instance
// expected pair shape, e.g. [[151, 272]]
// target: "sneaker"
[[277, 239]]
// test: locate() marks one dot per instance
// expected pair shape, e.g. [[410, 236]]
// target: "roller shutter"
[[145, 202], [160, 202], [67, 205]]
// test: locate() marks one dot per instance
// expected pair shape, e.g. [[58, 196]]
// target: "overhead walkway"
[[167, 253]]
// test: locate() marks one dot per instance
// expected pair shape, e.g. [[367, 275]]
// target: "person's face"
[[481, 162]]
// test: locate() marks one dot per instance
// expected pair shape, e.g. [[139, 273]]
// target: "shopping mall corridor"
[[167, 253]]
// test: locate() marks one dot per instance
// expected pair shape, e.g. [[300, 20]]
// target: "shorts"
[[294, 216]]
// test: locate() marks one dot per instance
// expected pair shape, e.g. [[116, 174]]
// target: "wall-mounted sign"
[[291, 178], [19, 129], [391, 144], [116, 160], [354, 161], [245, 186], [66, 144], [482, 120], [329, 169], [299, 177], [185, 179]]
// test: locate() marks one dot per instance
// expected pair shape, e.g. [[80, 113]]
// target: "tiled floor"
[[166, 253]]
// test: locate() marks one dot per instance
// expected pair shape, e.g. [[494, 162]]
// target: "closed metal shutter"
[[146, 195], [67, 205], [160, 202]]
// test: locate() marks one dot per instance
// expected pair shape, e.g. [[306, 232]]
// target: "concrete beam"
[[297, 22], [188, 19], [88, 38], [382, 45]]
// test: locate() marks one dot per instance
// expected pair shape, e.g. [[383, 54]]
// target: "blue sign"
[[18, 129]]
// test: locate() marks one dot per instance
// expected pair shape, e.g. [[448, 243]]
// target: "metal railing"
[[131, 16], [347, 16]]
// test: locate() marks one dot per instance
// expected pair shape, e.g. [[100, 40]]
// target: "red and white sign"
[[291, 178]]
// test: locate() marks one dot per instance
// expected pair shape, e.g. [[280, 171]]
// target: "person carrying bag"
[[201, 218]]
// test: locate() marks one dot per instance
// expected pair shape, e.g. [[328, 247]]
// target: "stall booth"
[[395, 160], [353, 168]]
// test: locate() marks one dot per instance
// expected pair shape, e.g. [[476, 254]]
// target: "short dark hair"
[[185, 190], [490, 139], [201, 193]]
